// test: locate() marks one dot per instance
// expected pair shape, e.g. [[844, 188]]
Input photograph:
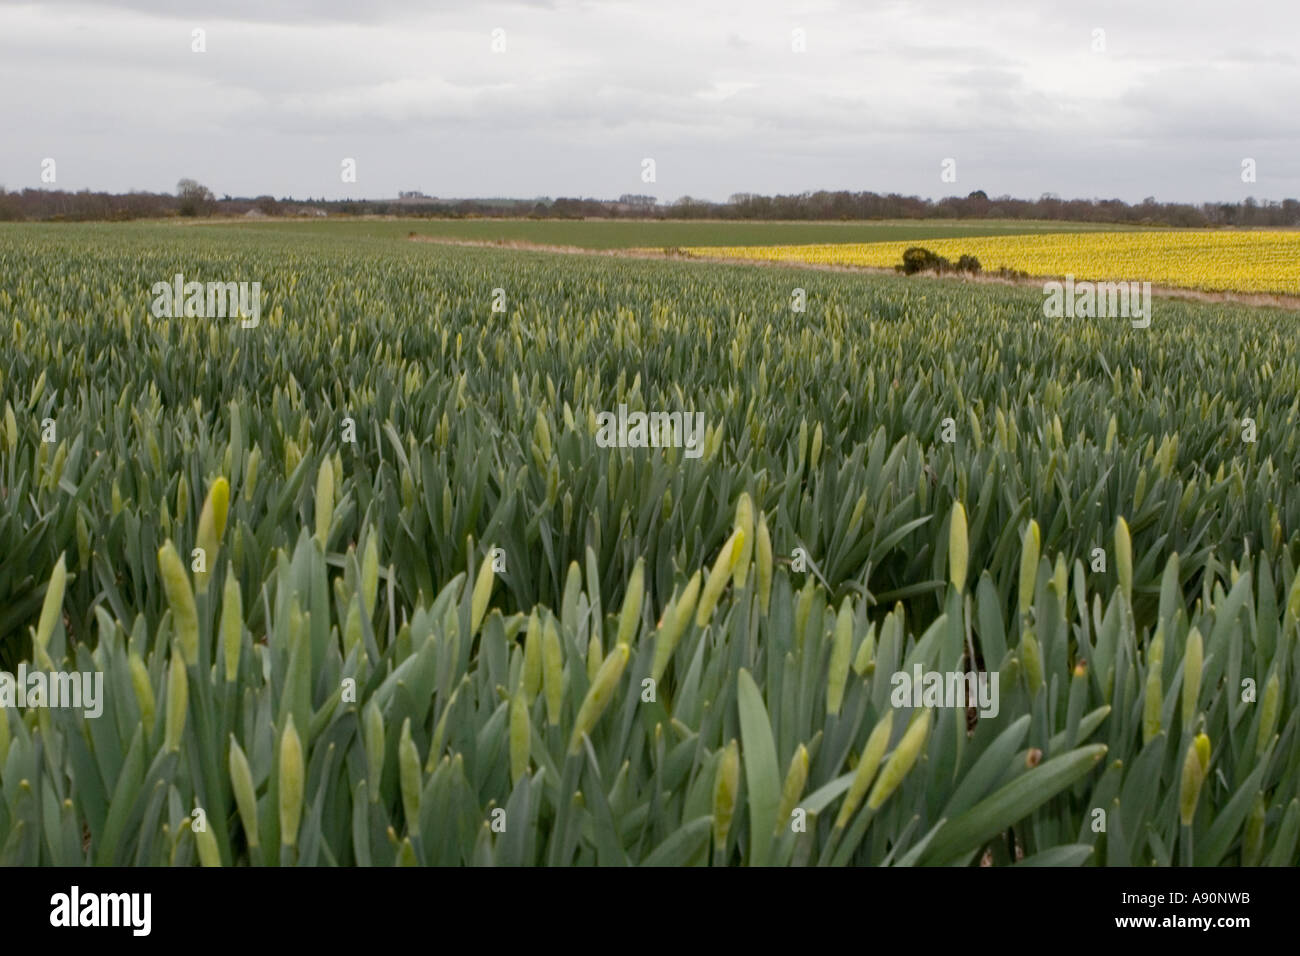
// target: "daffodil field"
[[1254, 261], [365, 586]]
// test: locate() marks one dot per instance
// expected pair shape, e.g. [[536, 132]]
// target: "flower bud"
[[552, 671], [865, 771], [958, 547], [291, 784], [232, 624], [726, 788], [745, 525], [763, 551], [51, 607], [599, 694], [900, 761], [178, 699], [143, 690], [717, 579], [630, 615], [1195, 767], [1124, 557], [212, 525], [482, 592], [520, 736], [1030, 547], [532, 672], [676, 617], [185, 616], [796, 778], [841, 649], [241, 782]]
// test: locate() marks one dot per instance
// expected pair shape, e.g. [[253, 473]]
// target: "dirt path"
[[1168, 292]]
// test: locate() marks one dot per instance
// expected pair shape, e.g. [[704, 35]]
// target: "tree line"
[[192, 199]]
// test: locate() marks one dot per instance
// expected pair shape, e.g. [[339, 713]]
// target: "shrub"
[[919, 259]]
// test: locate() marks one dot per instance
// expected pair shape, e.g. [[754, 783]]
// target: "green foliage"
[[338, 562], [418, 743]]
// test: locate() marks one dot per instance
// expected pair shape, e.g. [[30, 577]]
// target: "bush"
[[919, 259]]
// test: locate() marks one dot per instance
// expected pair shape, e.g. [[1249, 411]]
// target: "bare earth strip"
[[1168, 292]]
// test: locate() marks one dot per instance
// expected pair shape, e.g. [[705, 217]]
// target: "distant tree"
[[196, 199], [1249, 208], [266, 204]]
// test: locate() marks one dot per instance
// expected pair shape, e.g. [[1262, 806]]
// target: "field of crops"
[[1258, 261], [365, 587], [672, 234]]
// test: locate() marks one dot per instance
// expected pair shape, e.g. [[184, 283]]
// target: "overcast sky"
[[714, 93]]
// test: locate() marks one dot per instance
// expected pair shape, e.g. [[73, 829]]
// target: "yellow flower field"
[[1248, 261]]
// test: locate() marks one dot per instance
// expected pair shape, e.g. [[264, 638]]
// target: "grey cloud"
[[714, 92]]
